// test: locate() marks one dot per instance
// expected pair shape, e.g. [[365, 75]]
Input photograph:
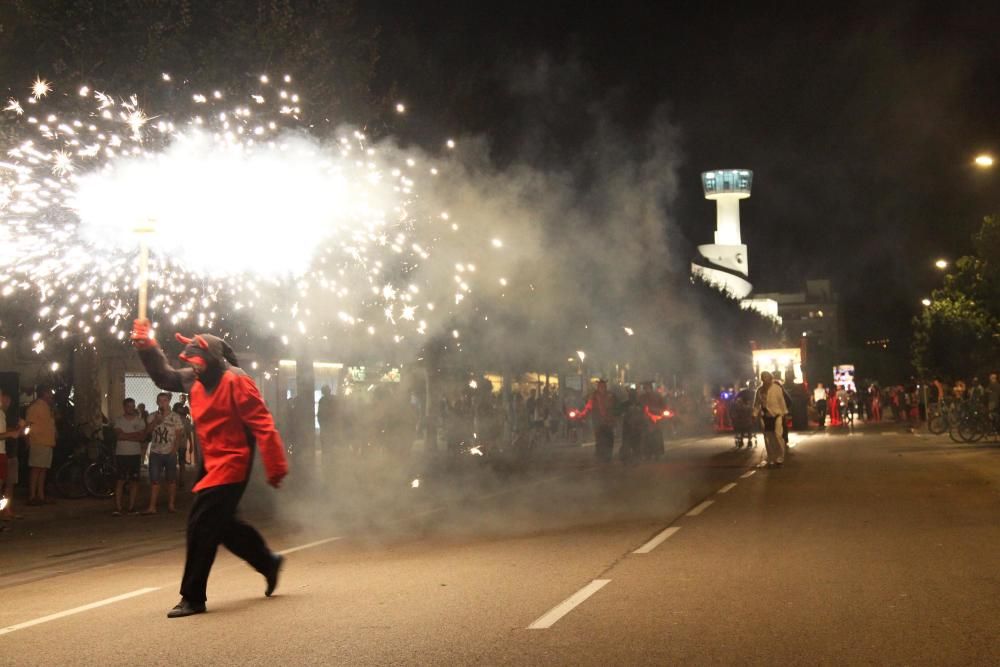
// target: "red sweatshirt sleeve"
[[258, 419]]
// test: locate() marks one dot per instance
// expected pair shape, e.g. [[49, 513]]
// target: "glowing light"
[[74, 182], [926, 302], [415, 484], [400, 108], [984, 161], [628, 331], [941, 264], [40, 88], [497, 243], [581, 355]]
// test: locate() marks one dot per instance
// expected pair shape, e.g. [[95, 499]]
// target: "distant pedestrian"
[[8, 444], [602, 404], [185, 446], [819, 400], [41, 443], [166, 430], [326, 415], [770, 407], [130, 430]]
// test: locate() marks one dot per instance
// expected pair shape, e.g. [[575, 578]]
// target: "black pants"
[[604, 437], [212, 522]]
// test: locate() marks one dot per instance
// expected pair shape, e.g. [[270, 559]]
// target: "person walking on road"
[[231, 420], [602, 403], [819, 399], [769, 405]]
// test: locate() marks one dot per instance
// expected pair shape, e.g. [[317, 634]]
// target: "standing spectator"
[[769, 405], [8, 472], [166, 430], [326, 416], [185, 446], [602, 403], [633, 428], [819, 400], [41, 442], [876, 405], [130, 430]]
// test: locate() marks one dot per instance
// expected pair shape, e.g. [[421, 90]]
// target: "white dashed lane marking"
[[549, 618], [698, 509], [728, 487], [660, 538], [748, 473], [76, 610]]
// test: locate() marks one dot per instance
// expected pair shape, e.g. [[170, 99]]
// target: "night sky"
[[860, 124]]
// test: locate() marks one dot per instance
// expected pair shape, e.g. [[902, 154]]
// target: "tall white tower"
[[724, 263]]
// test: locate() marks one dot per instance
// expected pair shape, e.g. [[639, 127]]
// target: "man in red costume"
[[230, 419], [605, 414]]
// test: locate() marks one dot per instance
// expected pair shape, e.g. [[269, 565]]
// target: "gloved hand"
[[275, 481], [140, 335]]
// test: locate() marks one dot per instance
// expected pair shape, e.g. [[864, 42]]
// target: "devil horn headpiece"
[[182, 339]]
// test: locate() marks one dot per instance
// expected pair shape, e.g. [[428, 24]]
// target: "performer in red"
[[605, 414], [230, 419]]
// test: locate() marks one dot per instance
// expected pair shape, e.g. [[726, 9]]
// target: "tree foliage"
[[958, 335]]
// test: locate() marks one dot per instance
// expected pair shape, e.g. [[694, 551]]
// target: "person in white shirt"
[[131, 431], [819, 399], [166, 429], [769, 405]]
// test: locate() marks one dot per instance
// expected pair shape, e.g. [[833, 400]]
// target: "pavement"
[[873, 546]]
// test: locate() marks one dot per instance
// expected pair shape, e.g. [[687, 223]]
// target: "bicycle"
[[100, 476], [974, 425], [69, 476]]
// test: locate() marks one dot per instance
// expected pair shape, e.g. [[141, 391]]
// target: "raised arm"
[[163, 375]]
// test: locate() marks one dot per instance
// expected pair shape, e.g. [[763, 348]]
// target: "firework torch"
[[142, 231]]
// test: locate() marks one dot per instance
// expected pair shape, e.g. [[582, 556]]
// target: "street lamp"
[[941, 264], [984, 160]]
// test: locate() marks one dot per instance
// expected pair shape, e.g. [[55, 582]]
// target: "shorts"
[[40, 456], [13, 471], [162, 468], [181, 455], [128, 466]]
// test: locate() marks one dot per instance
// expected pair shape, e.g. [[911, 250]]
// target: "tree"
[[958, 334]]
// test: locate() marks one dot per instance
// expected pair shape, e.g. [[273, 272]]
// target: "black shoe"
[[186, 608], [272, 578]]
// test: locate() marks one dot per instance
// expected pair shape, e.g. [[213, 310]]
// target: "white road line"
[[76, 610], [549, 618], [728, 487], [700, 508], [135, 593], [310, 545], [748, 473], [657, 541]]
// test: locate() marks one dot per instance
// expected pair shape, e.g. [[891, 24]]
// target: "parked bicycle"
[[100, 477], [69, 476]]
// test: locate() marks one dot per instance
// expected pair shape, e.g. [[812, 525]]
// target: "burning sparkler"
[[251, 215]]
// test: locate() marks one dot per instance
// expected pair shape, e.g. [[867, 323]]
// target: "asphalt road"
[[876, 547]]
